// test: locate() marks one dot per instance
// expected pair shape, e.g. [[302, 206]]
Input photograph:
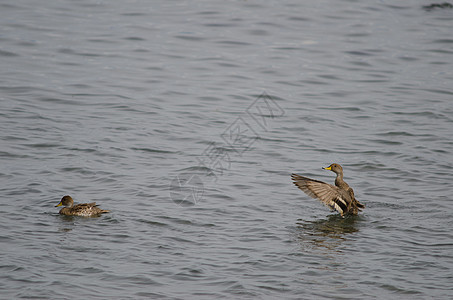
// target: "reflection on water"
[[68, 223], [322, 243], [326, 234]]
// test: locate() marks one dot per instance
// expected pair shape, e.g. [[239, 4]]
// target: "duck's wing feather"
[[85, 205], [328, 194], [86, 209]]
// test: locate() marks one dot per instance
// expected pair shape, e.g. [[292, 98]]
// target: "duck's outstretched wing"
[[328, 194]]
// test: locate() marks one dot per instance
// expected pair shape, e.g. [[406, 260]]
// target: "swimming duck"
[[83, 209], [340, 197]]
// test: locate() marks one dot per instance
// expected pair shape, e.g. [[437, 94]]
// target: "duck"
[[83, 209], [339, 197]]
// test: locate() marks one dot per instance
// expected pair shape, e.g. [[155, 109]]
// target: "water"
[[113, 101]]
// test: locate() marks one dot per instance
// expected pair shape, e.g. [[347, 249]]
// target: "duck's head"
[[66, 201], [336, 168]]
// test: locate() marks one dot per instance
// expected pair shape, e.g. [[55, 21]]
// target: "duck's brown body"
[[340, 197], [83, 210]]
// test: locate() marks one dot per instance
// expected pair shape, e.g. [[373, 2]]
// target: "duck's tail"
[[103, 211], [359, 205]]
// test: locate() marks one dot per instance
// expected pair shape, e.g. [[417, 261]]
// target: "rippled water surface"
[[186, 119]]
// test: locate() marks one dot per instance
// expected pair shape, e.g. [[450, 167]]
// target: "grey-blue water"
[[186, 119]]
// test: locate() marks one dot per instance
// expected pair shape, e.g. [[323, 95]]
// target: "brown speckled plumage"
[[83, 209]]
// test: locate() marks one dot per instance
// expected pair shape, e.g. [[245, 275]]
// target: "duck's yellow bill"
[[59, 204], [327, 168]]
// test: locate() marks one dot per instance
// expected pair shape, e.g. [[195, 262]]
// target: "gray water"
[[186, 119]]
